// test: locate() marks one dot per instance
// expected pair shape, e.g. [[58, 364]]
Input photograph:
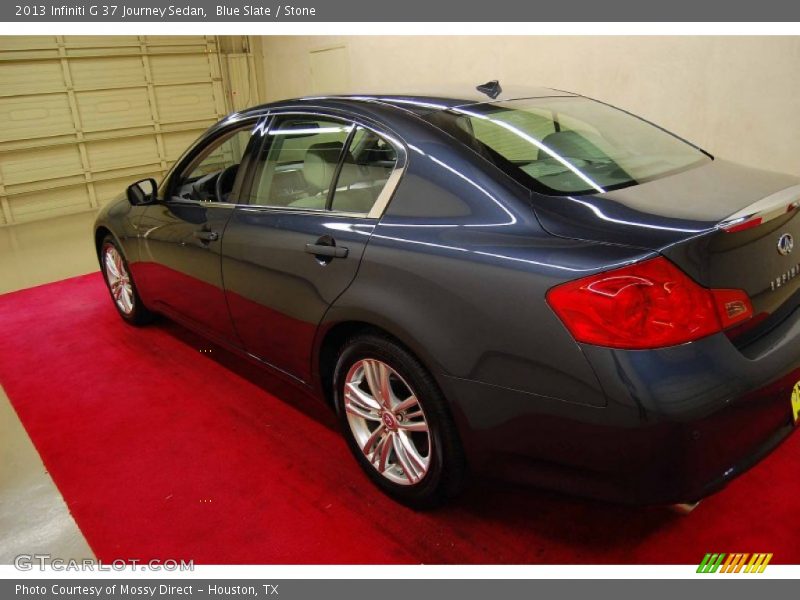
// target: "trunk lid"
[[762, 259], [704, 221]]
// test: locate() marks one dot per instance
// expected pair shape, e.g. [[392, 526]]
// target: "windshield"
[[569, 145]]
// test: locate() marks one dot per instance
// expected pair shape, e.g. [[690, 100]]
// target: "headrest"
[[320, 163]]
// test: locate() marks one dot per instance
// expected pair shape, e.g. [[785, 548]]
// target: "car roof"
[[425, 101]]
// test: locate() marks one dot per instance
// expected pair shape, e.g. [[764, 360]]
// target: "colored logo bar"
[[734, 563]]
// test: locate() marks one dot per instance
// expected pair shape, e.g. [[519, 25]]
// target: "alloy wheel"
[[387, 421], [119, 281]]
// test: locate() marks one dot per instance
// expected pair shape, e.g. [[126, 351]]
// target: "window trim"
[[389, 188], [197, 149]]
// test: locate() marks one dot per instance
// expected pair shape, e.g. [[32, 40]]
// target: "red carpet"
[[162, 451]]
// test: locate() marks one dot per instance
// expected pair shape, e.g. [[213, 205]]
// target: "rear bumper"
[[680, 422]]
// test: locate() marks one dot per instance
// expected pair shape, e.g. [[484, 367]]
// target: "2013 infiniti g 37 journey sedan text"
[[546, 289]]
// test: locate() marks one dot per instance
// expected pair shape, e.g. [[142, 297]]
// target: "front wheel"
[[120, 284], [396, 422]]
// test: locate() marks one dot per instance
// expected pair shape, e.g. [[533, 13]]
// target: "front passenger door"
[[297, 245]]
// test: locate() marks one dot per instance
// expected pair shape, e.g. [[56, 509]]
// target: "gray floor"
[[33, 516]]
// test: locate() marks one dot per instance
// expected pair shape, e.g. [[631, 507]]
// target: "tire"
[[120, 284], [415, 455]]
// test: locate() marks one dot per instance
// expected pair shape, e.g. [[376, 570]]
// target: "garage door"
[[82, 116]]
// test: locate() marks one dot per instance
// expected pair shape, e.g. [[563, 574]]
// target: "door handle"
[[206, 236], [324, 250]]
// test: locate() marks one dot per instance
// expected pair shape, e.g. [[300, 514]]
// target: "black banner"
[[405, 11], [398, 589]]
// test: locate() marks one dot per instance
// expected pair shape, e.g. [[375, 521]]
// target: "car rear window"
[[569, 145]]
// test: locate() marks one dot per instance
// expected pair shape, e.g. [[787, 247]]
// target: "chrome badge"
[[785, 278], [785, 244]]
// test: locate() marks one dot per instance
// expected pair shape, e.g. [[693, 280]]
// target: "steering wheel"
[[225, 181]]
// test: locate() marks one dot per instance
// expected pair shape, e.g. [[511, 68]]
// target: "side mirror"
[[142, 192]]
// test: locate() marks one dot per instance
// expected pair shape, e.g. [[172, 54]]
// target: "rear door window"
[[299, 162], [316, 163]]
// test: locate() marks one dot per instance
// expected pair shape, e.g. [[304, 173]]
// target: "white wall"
[[737, 97]]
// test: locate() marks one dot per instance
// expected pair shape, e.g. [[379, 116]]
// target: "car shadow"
[[259, 375]]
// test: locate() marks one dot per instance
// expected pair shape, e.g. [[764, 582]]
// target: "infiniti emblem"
[[389, 421], [785, 244]]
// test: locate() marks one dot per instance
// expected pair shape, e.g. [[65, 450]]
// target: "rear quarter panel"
[[458, 269]]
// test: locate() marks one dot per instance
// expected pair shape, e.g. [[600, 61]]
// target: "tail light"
[[650, 304]]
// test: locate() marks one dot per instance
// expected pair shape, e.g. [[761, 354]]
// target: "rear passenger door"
[[316, 190]]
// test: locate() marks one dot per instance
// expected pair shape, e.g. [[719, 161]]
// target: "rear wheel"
[[397, 423], [120, 284]]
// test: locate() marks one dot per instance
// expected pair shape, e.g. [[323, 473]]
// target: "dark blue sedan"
[[528, 284]]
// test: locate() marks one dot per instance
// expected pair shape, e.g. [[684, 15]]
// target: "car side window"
[[320, 164], [298, 162], [211, 176]]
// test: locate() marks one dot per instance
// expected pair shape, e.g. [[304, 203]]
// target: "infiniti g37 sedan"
[[531, 285]]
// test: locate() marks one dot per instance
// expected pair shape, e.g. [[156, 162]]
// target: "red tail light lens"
[[733, 307], [651, 304]]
